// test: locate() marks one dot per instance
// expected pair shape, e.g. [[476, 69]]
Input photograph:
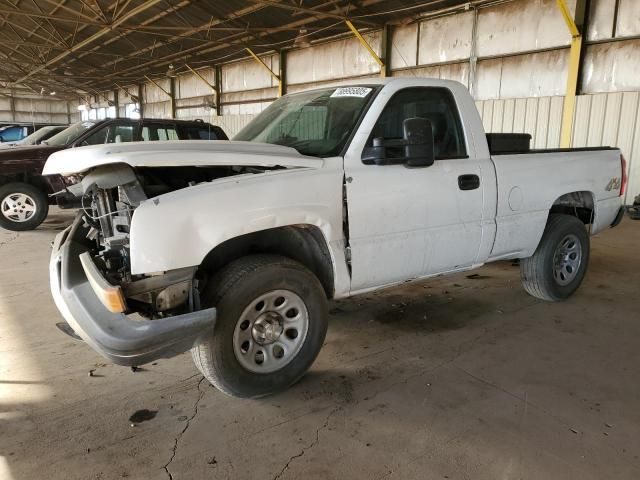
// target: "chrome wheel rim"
[[271, 331], [18, 207], [567, 260]]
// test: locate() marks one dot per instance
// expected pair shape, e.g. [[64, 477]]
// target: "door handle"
[[468, 182]]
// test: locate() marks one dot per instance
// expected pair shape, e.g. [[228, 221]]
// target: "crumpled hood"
[[176, 154]]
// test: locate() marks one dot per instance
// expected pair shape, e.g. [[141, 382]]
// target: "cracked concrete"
[[186, 427], [450, 378], [308, 447]]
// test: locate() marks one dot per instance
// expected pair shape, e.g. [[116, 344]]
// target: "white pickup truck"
[[232, 248]]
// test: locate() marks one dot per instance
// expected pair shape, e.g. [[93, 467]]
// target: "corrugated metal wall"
[[28, 109]]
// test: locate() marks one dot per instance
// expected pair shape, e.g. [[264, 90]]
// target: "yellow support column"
[[572, 75], [273, 74], [365, 44]]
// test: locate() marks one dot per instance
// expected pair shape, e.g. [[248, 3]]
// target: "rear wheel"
[[558, 266], [272, 321]]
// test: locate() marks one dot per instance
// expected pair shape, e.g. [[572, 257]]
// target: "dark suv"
[[25, 195]]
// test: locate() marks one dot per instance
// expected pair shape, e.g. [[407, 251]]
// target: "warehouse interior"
[[458, 377]]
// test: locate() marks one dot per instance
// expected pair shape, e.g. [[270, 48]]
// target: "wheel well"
[[578, 204], [35, 180], [302, 243]]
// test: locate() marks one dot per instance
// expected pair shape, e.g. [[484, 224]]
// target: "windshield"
[[316, 123], [68, 135], [38, 135]]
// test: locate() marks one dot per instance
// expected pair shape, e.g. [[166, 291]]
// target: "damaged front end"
[[130, 319], [110, 194]]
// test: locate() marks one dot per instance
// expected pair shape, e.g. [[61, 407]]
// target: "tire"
[[559, 264], [230, 357], [34, 203]]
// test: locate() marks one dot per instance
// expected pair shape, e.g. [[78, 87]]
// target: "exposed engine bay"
[[109, 196]]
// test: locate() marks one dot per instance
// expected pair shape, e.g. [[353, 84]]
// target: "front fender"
[[178, 229]]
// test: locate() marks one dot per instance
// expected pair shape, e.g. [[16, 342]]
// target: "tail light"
[[625, 178]]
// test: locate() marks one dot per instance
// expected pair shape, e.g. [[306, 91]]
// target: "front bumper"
[[116, 336]]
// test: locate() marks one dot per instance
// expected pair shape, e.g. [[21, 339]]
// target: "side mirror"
[[418, 138], [415, 149]]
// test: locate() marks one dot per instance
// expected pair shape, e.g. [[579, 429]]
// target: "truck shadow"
[[407, 311]]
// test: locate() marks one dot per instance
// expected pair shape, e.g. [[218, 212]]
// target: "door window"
[[434, 104], [200, 133], [112, 133], [155, 133]]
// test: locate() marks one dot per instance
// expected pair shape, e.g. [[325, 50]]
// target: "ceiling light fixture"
[[301, 40]]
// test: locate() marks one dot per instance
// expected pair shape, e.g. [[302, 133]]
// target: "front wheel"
[[559, 264], [271, 324], [22, 206]]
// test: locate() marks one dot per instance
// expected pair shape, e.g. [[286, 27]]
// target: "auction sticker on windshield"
[[360, 92]]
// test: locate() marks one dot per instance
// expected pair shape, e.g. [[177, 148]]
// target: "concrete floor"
[[458, 378]]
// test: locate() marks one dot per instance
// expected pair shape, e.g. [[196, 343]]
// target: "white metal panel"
[[488, 76], [232, 124], [537, 75], [611, 67], [596, 120], [531, 116], [628, 18], [340, 59], [582, 120], [542, 123], [445, 39], [508, 115], [601, 19], [40, 106], [628, 128], [487, 115], [404, 46], [426, 72], [458, 72], [124, 97], [498, 115], [157, 110], [249, 74], [522, 25], [189, 85], [519, 115], [153, 94], [555, 122], [611, 124], [259, 95]]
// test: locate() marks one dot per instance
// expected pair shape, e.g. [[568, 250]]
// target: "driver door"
[[406, 223]]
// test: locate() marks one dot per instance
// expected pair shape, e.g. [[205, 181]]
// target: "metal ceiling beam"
[[311, 11], [129, 30], [58, 5], [233, 40], [208, 25], [92, 38], [23, 13]]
